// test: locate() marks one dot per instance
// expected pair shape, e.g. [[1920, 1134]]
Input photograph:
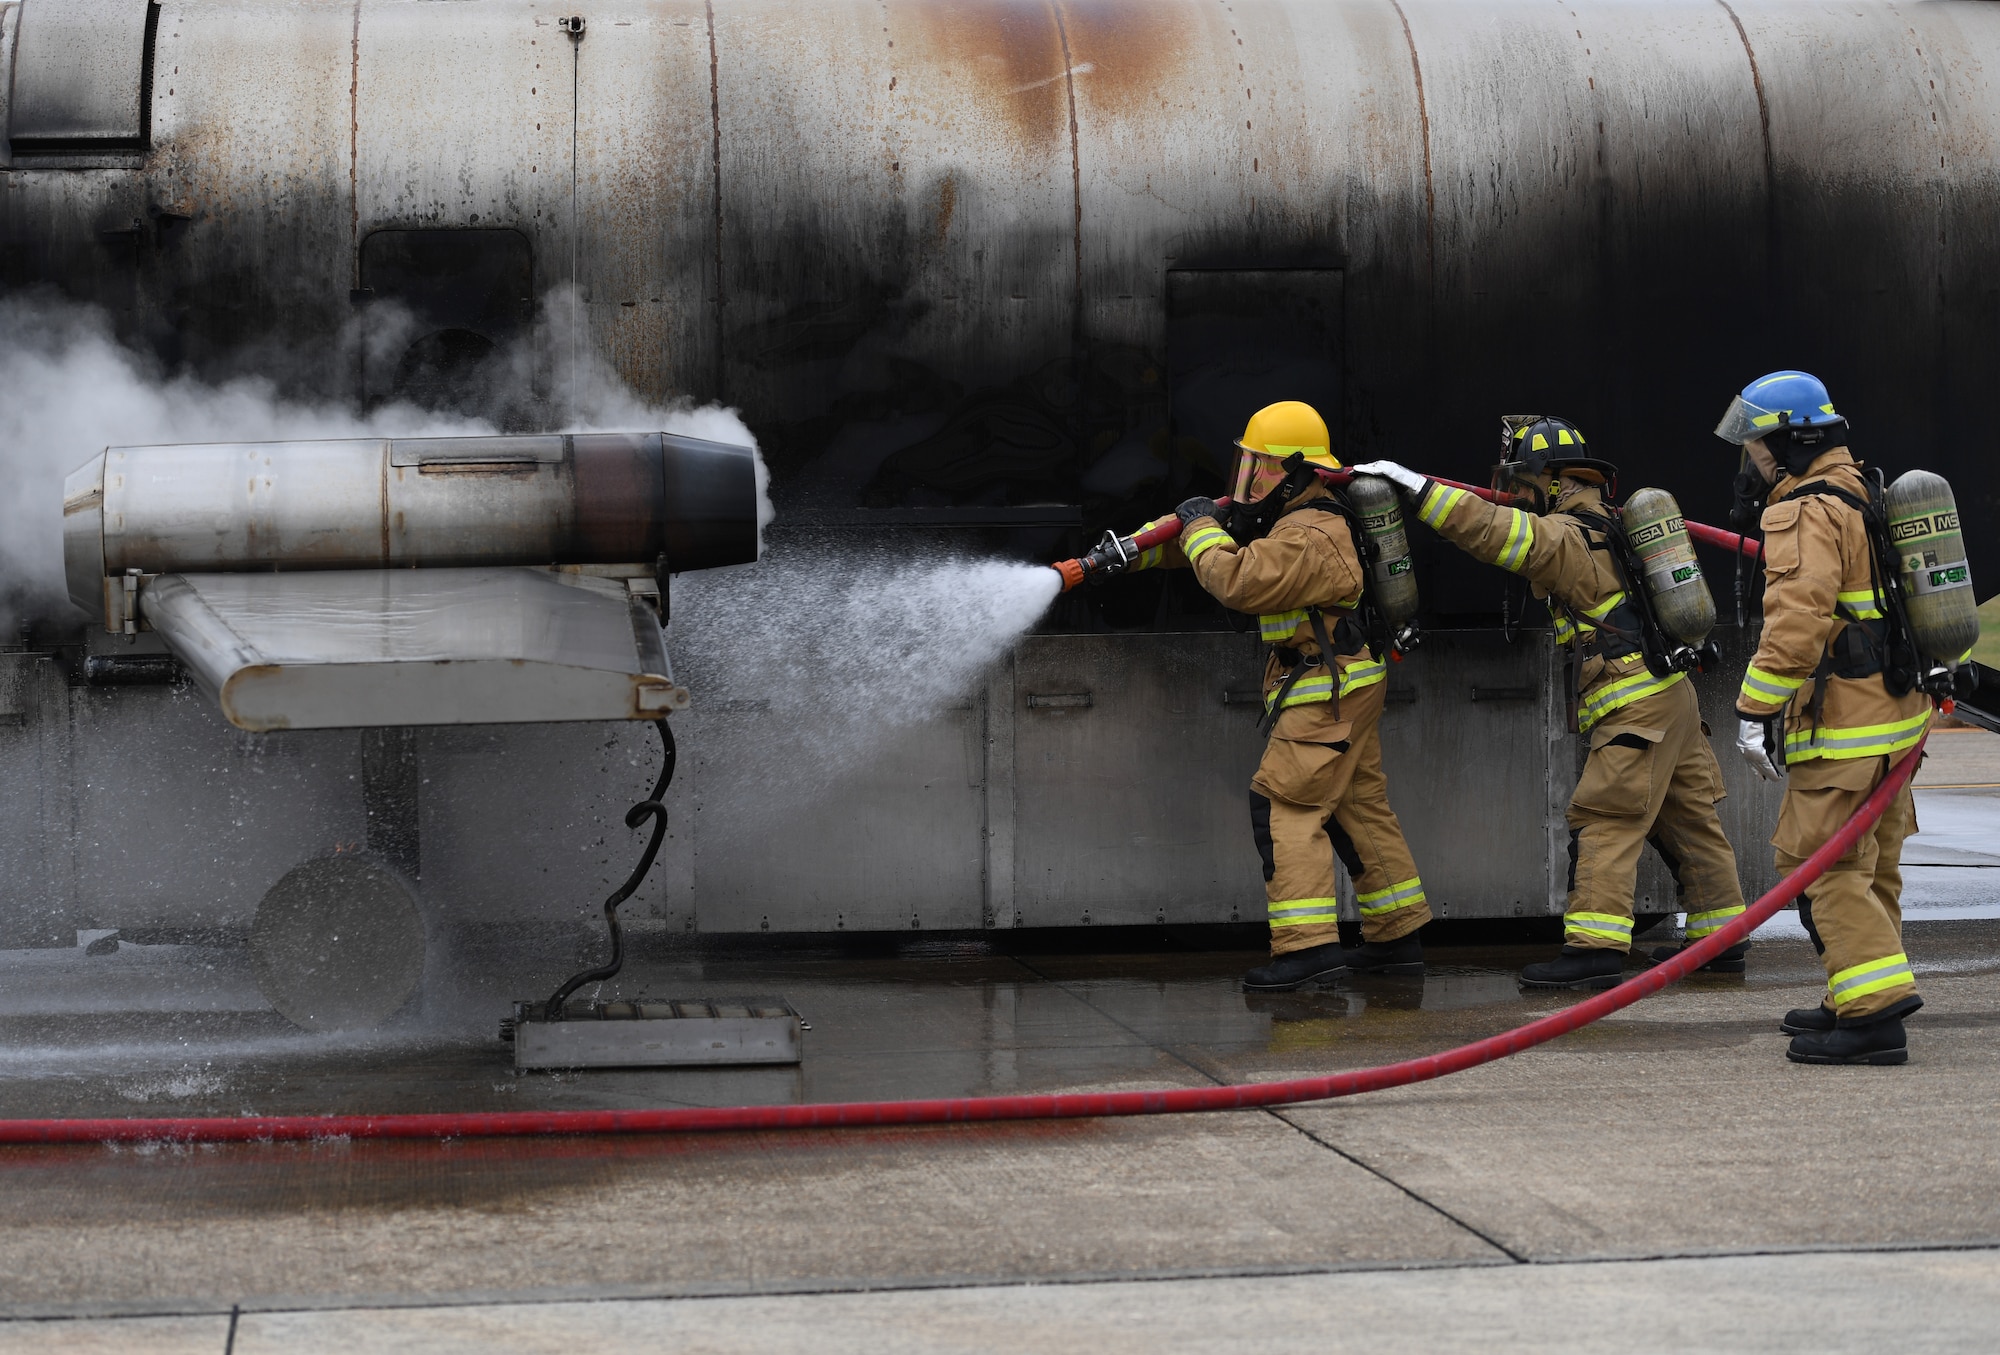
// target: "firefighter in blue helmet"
[[1817, 711]]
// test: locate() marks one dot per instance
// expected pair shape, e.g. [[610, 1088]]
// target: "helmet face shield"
[[1743, 421]]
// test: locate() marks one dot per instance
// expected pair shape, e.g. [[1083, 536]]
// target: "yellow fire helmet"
[[1275, 432]]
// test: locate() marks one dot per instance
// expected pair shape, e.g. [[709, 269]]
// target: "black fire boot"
[[1576, 969], [1808, 1020], [1404, 955], [1296, 969], [1877, 1038], [1731, 961]]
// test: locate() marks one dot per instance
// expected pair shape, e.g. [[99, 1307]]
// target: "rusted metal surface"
[[923, 245]]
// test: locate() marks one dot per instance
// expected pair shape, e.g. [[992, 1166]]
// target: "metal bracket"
[[121, 602]]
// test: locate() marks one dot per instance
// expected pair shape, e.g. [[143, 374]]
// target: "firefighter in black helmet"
[[1651, 776]]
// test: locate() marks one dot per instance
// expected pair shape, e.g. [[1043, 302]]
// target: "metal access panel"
[[1240, 339], [1480, 768], [80, 69], [1132, 757]]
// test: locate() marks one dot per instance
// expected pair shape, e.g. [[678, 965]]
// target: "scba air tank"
[[1930, 556], [1669, 572], [1392, 577]]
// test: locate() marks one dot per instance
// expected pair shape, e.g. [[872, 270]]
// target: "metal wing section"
[[354, 648]]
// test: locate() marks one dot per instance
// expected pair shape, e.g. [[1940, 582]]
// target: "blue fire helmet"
[[1780, 400]]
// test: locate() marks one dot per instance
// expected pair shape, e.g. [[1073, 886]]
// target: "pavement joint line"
[[277, 1304], [1276, 1113]]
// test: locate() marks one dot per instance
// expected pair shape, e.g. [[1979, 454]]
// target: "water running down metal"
[[967, 1109]]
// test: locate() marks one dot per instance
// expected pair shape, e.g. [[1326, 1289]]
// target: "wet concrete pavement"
[[1534, 1203]]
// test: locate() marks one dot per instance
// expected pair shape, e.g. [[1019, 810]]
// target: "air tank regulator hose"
[[965, 1109]]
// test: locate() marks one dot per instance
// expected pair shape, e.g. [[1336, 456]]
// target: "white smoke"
[[68, 389]]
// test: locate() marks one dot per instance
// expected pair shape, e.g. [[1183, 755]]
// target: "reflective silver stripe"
[[1293, 907], [1438, 504], [1702, 924], [1390, 899], [1891, 971], [1358, 675], [1520, 537]]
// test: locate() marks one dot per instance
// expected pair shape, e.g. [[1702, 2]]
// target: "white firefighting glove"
[[1753, 741], [1402, 476]]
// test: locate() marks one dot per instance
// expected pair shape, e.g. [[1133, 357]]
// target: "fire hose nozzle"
[[1072, 572]]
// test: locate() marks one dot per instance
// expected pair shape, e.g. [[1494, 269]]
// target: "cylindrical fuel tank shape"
[[1670, 573], [1930, 556], [1392, 580], [568, 499]]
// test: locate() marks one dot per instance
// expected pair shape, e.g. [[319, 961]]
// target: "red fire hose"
[[1167, 529], [1068, 1105]]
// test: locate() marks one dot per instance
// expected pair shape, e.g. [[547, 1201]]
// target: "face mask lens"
[[1246, 469]]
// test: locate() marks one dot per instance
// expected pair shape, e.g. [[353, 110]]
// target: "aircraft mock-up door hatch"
[[1240, 339], [468, 295], [82, 77], [427, 581]]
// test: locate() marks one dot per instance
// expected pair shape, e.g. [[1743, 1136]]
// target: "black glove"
[[1197, 508]]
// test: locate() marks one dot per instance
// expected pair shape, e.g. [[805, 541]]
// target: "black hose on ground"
[[636, 815]]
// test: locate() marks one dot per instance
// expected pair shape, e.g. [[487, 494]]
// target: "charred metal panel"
[[80, 75], [10, 29], [466, 125], [646, 157], [897, 236], [249, 197]]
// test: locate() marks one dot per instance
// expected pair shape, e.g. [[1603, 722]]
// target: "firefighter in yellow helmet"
[[1816, 702], [1650, 775], [1319, 791]]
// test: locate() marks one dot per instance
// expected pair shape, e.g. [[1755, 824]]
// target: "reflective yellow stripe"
[[1607, 925], [1616, 695], [1379, 901], [1203, 539], [1803, 745], [1358, 675], [1305, 692], [1437, 504], [1520, 537], [1705, 924], [1278, 627], [1297, 912], [1603, 609], [1864, 605], [1891, 971], [1567, 630], [1150, 557], [1759, 685]]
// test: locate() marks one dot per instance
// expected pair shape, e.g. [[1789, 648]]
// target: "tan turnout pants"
[[1310, 801], [1854, 912], [1651, 777]]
